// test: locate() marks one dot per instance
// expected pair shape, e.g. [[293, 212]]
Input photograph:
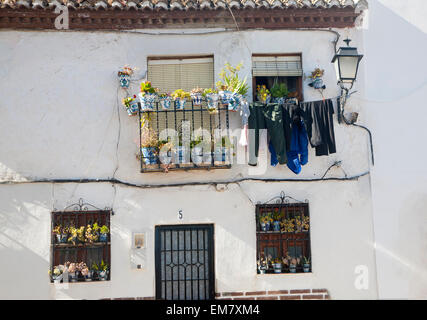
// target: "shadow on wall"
[[395, 49]]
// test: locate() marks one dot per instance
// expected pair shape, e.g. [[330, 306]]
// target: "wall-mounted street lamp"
[[346, 61]]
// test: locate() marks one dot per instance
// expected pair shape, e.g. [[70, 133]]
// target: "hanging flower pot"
[[212, 100], [165, 102], [234, 103], [124, 80], [197, 99], [149, 155], [180, 104], [147, 101], [133, 108]]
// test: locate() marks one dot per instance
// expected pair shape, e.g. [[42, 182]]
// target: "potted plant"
[[57, 273], [306, 265], [103, 233], [293, 265], [84, 270], [91, 233], [262, 265], [165, 100], [149, 145], [265, 221], [124, 76], [287, 225], [180, 97], [279, 92], [316, 77], [305, 223], [277, 217], [60, 233], [81, 234], [131, 105], [277, 265], [231, 87], [196, 96], [72, 235], [103, 271], [94, 270], [212, 99], [222, 152], [72, 271], [263, 94], [147, 96]]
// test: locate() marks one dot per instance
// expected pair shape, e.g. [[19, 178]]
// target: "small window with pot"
[[281, 74], [283, 238], [80, 246]]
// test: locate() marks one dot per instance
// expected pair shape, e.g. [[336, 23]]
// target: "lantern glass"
[[346, 67]]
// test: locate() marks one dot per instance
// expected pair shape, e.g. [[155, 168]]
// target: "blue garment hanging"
[[298, 153]]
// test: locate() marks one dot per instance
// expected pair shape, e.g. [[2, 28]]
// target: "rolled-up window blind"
[[283, 66]]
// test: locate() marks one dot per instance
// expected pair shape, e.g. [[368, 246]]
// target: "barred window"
[[80, 246], [283, 238]]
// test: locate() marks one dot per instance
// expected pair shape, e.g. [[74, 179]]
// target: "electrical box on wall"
[[137, 254]]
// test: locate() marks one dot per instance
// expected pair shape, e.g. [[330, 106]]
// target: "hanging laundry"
[[320, 126], [273, 114], [298, 153], [256, 122]]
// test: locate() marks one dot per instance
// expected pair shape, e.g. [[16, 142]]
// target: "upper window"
[[271, 69], [283, 238], [80, 243], [179, 132]]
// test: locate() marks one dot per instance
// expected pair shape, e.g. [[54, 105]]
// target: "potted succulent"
[[196, 96], [279, 92], [57, 273], [149, 145], [147, 96], [60, 233], [277, 265], [306, 264], [124, 76], [131, 105], [180, 97], [212, 99], [277, 217], [231, 87], [263, 94], [165, 100], [265, 221], [103, 271], [103, 233]]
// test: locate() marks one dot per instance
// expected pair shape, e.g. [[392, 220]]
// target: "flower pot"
[[181, 155], [306, 267], [149, 155], [225, 97], [280, 100], [61, 238], [318, 84], [73, 240], [180, 104], [103, 275], [292, 268], [57, 278], [235, 100], [165, 102], [133, 108], [124, 80], [262, 270], [72, 276], [222, 154], [276, 226], [197, 99], [147, 101], [88, 277], [277, 267], [212, 100], [265, 226], [103, 237]]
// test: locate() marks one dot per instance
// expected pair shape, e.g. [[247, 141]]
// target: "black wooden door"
[[184, 262]]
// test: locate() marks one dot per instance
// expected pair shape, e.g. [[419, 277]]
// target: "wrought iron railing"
[[194, 138]]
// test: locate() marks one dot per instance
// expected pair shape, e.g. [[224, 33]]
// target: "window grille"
[[83, 249], [283, 246]]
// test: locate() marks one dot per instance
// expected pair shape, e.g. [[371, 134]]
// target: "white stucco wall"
[[396, 91], [59, 120]]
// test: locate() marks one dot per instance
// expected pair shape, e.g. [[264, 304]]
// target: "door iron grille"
[[184, 262]]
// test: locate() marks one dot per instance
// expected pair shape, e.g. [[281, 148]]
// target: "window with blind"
[[286, 68], [186, 73]]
